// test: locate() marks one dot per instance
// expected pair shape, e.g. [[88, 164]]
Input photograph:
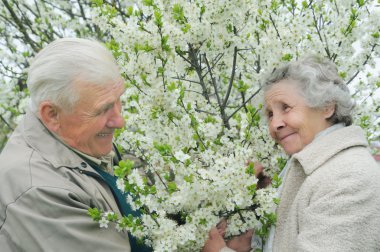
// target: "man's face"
[[90, 126]]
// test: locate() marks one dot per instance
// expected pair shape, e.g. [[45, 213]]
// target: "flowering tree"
[[193, 71]]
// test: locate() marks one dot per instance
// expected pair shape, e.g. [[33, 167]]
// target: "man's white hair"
[[55, 70]]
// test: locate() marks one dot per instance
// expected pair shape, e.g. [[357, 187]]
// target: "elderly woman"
[[330, 195]]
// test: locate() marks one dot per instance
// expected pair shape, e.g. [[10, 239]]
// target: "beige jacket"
[[45, 192], [331, 197]]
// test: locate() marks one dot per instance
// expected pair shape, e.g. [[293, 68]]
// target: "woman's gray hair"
[[55, 70], [320, 85]]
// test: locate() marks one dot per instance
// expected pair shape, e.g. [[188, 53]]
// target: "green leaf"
[[360, 3], [342, 75], [276, 181], [287, 57], [276, 201], [172, 187], [112, 217], [123, 168], [241, 86], [148, 2], [210, 119], [163, 149], [186, 28], [281, 162], [97, 3], [158, 18], [172, 86], [164, 43], [252, 189], [250, 169], [189, 178], [178, 14], [203, 221], [203, 9], [95, 213], [376, 35]]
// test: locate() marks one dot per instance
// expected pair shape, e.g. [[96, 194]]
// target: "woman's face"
[[293, 124]]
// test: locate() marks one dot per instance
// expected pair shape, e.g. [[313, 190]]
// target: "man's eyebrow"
[[105, 107]]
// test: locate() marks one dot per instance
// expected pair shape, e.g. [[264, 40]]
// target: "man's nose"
[[116, 120]]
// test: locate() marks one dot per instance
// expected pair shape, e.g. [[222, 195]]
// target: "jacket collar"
[[325, 147], [51, 149]]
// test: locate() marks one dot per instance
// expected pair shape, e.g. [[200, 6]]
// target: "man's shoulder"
[[15, 158], [16, 172], [23, 167]]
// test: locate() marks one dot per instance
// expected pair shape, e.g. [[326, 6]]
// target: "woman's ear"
[[329, 110], [49, 115]]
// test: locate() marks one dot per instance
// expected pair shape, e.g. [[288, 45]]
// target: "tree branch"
[[364, 63], [241, 106], [233, 70], [21, 26], [222, 109]]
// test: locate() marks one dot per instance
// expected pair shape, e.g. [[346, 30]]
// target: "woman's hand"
[[241, 243], [215, 241]]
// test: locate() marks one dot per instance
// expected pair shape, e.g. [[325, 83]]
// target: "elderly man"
[[58, 162]]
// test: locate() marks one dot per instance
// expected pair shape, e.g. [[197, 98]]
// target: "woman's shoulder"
[[352, 167], [331, 147]]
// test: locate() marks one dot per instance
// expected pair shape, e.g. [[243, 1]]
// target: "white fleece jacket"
[[331, 197]]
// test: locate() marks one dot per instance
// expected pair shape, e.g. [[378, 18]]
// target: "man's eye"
[[100, 112]]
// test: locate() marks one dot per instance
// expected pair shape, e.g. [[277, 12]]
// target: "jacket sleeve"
[[341, 211], [227, 249], [55, 219]]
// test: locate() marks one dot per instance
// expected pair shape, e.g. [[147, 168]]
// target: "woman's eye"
[[285, 107], [269, 114]]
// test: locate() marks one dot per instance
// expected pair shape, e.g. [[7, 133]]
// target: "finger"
[[222, 224], [214, 233], [258, 168], [249, 233], [222, 232]]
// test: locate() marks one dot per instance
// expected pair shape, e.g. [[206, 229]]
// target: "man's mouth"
[[105, 134]]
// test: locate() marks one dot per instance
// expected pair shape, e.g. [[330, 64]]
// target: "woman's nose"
[[277, 122]]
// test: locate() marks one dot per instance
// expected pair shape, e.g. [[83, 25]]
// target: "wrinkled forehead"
[[284, 91]]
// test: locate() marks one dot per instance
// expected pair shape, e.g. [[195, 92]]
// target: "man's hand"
[[241, 243], [215, 241]]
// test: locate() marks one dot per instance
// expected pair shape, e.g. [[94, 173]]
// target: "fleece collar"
[[325, 147]]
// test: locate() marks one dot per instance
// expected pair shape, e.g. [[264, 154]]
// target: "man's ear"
[[329, 110], [49, 115]]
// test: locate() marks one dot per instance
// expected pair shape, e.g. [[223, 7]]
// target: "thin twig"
[[250, 98], [233, 70], [364, 63], [9, 126], [222, 111]]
